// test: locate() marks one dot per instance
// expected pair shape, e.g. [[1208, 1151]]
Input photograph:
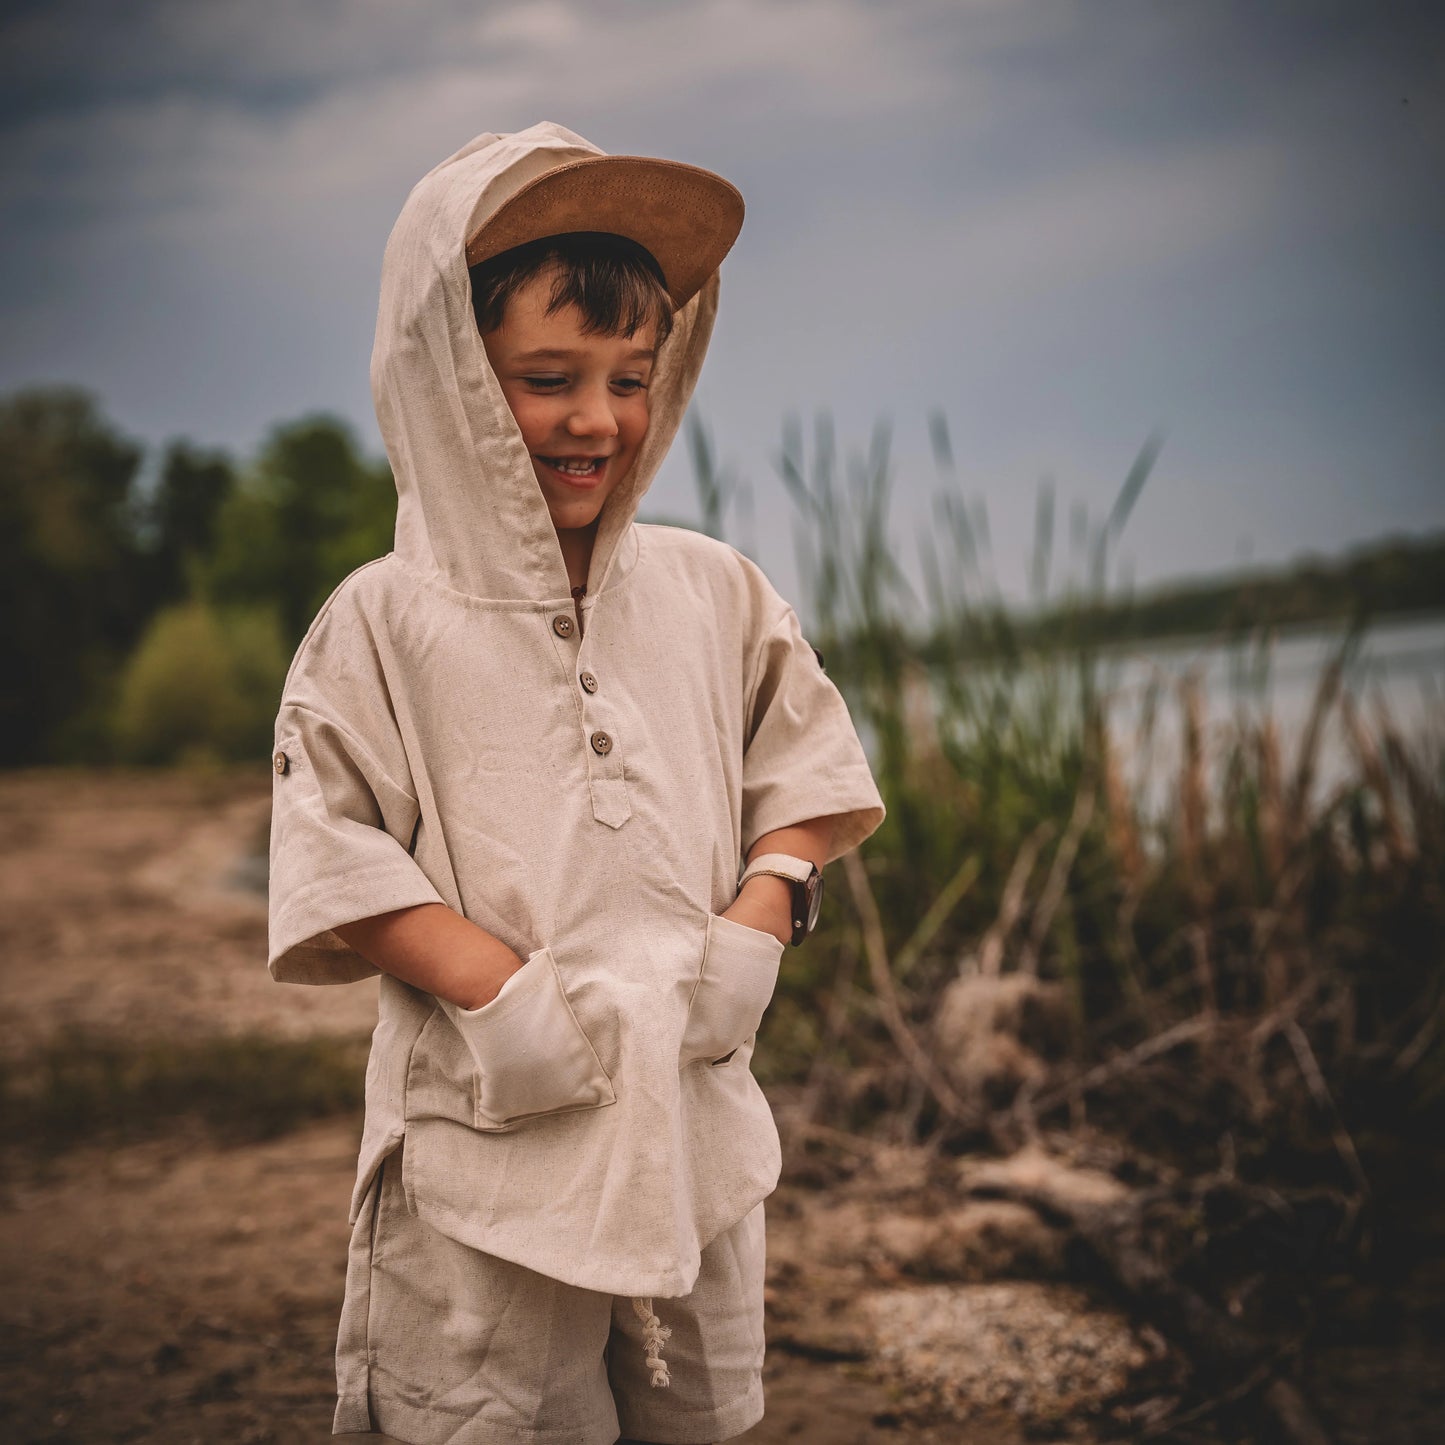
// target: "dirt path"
[[125, 909]]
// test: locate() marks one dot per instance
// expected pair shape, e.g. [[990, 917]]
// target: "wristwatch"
[[807, 883]]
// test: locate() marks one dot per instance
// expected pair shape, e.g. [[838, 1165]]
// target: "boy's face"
[[580, 401]]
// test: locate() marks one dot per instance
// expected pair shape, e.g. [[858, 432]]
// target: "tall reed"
[[1247, 905]]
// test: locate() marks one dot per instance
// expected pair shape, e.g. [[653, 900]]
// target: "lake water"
[[1396, 673]]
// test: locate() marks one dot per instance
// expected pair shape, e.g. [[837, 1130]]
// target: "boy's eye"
[[545, 383], [630, 384]]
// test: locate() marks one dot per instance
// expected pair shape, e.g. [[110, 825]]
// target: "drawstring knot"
[[654, 1332]]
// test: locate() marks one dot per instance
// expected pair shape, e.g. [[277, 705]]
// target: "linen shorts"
[[439, 1342]]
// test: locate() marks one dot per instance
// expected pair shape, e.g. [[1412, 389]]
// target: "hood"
[[469, 508]]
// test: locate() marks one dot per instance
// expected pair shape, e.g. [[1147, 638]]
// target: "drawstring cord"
[[654, 1332]]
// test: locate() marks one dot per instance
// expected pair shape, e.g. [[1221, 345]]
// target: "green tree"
[[181, 517], [72, 589], [202, 684], [310, 509]]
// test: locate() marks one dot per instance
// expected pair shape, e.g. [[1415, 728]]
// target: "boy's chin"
[[574, 516], [575, 512]]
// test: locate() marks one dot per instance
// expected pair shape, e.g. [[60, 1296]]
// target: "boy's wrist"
[[489, 979], [765, 903]]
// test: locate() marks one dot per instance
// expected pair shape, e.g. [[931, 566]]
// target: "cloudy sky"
[[1061, 224]]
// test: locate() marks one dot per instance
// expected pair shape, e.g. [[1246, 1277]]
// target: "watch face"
[[815, 901]]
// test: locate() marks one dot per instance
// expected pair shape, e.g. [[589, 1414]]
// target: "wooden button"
[[280, 761], [563, 625], [589, 683], [601, 743]]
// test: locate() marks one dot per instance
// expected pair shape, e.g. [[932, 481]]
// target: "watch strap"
[[778, 865]]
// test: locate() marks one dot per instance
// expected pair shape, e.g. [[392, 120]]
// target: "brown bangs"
[[615, 284]]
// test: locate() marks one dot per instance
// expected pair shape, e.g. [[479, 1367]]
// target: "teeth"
[[576, 469]]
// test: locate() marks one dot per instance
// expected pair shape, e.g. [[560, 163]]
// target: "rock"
[[979, 1241], [1042, 1351], [993, 1035], [1034, 1171]]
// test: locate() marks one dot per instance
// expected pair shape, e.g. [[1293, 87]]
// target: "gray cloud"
[[1063, 222]]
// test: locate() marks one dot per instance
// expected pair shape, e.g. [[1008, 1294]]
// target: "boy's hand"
[[766, 903]]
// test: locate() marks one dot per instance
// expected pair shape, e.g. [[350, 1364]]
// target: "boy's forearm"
[[432, 947], [810, 840], [766, 903]]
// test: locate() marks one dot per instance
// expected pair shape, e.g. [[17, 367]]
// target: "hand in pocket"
[[739, 973], [531, 1054], [765, 904]]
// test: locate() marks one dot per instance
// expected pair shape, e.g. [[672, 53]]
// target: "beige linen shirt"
[[446, 734]]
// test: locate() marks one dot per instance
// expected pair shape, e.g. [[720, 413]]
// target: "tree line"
[[152, 603], [151, 610]]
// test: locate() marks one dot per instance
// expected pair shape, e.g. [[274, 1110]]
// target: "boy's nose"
[[592, 416]]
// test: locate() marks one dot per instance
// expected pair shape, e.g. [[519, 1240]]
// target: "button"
[[280, 761], [563, 625], [601, 743], [589, 683]]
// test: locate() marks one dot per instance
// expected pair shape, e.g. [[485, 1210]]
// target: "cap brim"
[[688, 218]]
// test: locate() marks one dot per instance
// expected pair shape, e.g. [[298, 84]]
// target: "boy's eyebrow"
[[548, 353]]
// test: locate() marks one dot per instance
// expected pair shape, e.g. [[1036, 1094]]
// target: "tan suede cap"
[[687, 217]]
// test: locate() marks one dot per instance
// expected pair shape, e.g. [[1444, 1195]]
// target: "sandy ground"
[[178, 1290], [175, 1292], [124, 908], [182, 1290]]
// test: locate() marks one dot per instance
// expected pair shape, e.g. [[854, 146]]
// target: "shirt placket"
[[601, 743]]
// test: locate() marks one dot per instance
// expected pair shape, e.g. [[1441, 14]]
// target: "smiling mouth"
[[579, 467]]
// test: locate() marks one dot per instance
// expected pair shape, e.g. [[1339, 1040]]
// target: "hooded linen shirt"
[[597, 1121]]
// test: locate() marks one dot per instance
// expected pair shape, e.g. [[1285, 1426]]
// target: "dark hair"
[[615, 283]]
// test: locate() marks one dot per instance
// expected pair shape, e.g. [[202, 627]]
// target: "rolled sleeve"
[[341, 827], [803, 759]]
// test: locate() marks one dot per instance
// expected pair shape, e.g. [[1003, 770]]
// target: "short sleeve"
[[341, 828], [803, 759]]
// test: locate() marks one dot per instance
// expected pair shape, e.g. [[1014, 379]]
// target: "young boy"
[[518, 762]]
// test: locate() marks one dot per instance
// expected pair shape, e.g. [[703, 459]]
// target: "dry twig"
[[1181, 1033], [1058, 878], [937, 915], [1320, 1091], [875, 949], [989, 960]]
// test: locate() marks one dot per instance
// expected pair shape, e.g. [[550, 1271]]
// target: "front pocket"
[[530, 1053], [739, 973]]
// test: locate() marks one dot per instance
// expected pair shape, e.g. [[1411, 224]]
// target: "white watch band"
[[778, 865]]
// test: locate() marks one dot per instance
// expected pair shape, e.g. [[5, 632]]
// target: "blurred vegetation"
[[1230, 997], [1025, 944], [123, 576], [309, 509], [1292, 940], [1241, 985], [1402, 576], [72, 574], [201, 685], [152, 612], [241, 1089]]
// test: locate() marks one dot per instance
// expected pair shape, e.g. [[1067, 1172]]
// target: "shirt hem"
[[409, 1425]]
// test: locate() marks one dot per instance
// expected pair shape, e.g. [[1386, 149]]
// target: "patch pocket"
[[530, 1053], [739, 973]]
